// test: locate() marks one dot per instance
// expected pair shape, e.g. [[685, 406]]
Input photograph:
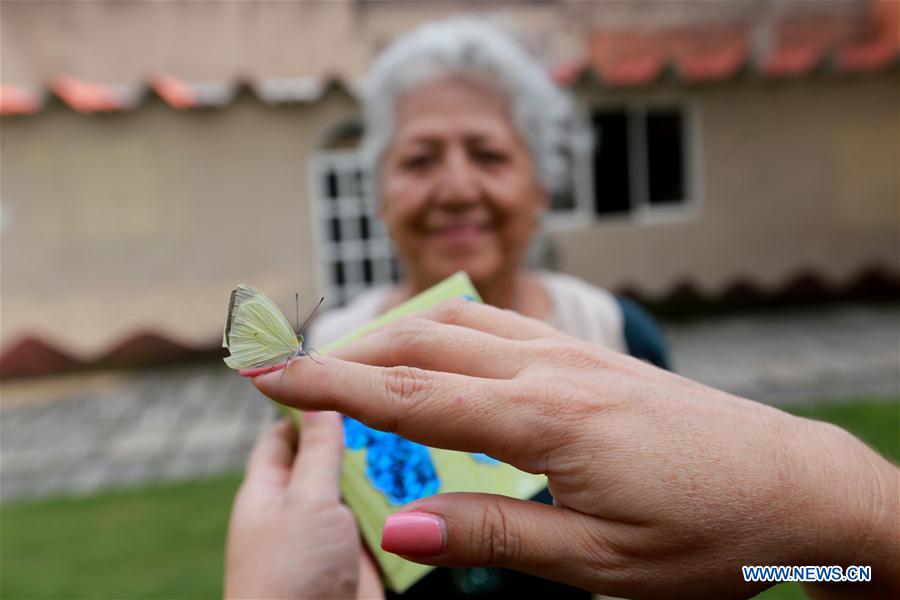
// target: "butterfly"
[[257, 334]]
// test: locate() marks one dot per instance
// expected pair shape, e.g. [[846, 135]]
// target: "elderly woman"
[[464, 132]]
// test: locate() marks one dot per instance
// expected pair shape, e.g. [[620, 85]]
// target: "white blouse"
[[578, 309]]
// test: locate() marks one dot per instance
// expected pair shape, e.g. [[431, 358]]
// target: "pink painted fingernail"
[[413, 534], [260, 370]]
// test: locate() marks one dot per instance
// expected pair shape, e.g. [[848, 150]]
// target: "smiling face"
[[457, 184]]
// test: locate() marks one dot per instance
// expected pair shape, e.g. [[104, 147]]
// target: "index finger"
[[443, 410]]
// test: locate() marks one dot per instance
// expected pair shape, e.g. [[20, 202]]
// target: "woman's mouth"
[[459, 234]]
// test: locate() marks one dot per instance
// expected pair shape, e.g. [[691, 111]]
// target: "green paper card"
[[448, 471]]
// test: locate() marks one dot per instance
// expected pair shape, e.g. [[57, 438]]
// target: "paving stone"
[[175, 467], [796, 356], [130, 474], [143, 446], [90, 479]]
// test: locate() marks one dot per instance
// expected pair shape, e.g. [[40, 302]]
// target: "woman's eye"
[[490, 157], [417, 162]]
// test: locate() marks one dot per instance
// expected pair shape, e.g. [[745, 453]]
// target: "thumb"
[[317, 467], [462, 529]]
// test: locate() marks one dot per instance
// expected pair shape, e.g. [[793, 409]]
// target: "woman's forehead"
[[453, 107]]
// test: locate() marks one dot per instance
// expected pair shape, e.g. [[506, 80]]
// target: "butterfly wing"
[[257, 334]]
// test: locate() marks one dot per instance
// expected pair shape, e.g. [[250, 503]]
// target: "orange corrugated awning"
[[718, 52]]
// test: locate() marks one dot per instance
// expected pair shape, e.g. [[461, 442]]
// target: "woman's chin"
[[480, 271]]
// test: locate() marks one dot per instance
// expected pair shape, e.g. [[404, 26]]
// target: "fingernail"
[[260, 370], [413, 534]]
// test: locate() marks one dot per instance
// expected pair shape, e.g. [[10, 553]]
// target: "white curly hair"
[[464, 46]]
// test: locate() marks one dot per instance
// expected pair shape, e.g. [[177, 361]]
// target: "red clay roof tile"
[[18, 101], [616, 58], [85, 96]]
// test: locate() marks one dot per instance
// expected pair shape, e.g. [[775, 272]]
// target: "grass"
[[167, 541], [876, 422], [154, 542]]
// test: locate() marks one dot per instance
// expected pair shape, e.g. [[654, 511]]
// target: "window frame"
[[641, 211], [581, 143]]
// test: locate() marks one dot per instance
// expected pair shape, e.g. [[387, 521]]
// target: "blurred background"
[[734, 168]]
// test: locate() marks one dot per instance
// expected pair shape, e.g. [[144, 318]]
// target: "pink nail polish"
[[260, 370], [413, 534]]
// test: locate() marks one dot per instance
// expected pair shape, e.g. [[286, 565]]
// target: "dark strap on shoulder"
[[643, 335]]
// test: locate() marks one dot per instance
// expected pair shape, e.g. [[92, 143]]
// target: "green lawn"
[[154, 542], [167, 541]]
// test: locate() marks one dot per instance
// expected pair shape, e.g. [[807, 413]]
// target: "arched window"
[[354, 249]]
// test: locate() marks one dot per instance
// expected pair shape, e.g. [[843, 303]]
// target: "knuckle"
[[546, 350], [405, 383], [553, 398], [571, 355], [556, 409], [499, 542], [450, 311], [404, 387], [581, 403]]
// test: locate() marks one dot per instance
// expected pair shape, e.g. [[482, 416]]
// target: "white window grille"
[[354, 249]]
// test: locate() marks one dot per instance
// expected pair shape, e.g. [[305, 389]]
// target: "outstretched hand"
[[663, 487]]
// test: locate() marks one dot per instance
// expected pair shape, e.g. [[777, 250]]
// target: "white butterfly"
[[257, 334]]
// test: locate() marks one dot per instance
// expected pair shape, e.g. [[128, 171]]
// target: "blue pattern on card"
[[398, 468]]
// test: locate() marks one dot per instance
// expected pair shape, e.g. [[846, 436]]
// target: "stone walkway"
[[88, 432], [77, 434], [794, 357]]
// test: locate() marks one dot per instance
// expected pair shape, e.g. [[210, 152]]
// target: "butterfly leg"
[[299, 352], [286, 363], [309, 354]]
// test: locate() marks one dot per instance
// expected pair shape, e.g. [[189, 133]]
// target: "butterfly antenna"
[[297, 305], [321, 300]]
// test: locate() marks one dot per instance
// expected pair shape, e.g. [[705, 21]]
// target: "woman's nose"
[[458, 183]]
